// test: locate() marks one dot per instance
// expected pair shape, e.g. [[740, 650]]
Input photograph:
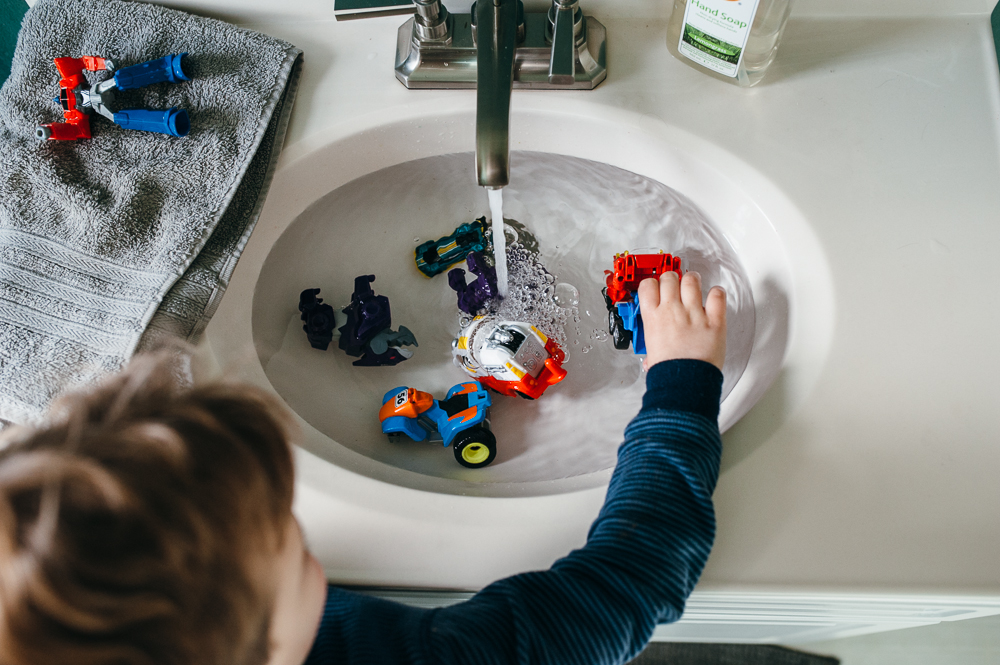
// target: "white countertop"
[[884, 132]]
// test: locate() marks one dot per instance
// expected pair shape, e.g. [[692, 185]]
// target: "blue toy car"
[[462, 418], [625, 323]]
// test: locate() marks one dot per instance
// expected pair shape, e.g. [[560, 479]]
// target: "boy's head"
[[144, 523]]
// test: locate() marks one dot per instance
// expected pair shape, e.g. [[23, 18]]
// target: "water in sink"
[[580, 213], [532, 294]]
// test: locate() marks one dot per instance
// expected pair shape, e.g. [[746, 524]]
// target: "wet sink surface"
[[578, 213]]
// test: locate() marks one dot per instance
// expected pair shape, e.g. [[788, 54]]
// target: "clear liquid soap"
[[732, 40]]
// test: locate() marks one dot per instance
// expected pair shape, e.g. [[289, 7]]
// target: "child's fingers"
[[691, 291], [715, 307], [670, 288], [649, 294]]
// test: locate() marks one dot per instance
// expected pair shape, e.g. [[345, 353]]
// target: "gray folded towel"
[[109, 243]]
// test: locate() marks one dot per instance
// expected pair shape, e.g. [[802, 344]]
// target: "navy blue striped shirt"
[[600, 603]]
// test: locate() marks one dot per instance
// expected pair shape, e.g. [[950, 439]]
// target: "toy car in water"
[[620, 297], [461, 420], [436, 256], [511, 357]]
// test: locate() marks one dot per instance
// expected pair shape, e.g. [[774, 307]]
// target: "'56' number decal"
[[401, 398]]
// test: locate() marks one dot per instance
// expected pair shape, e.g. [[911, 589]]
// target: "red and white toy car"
[[511, 357]]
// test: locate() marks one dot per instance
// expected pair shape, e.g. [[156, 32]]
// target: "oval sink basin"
[[360, 202]]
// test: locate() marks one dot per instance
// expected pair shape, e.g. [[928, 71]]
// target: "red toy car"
[[630, 269], [622, 283]]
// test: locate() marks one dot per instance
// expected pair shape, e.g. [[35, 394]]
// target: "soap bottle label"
[[715, 32]]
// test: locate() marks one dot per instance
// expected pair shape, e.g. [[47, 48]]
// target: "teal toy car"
[[435, 256]]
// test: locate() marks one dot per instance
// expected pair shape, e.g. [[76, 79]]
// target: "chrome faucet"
[[495, 48], [496, 39]]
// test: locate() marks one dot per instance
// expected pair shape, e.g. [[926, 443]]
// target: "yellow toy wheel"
[[475, 454], [475, 448]]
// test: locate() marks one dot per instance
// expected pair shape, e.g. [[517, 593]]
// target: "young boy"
[[151, 524]]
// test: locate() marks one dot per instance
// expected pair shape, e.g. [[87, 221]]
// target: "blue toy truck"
[[461, 418]]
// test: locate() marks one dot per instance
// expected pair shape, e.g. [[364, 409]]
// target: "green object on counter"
[[11, 13], [348, 9], [995, 22]]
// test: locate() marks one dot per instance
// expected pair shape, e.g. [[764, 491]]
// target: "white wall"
[[270, 10]]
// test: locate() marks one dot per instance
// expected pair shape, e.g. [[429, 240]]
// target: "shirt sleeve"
[[601, 603]]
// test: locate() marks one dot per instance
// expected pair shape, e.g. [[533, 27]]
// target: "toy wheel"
[[607, 301], [430, 256], [528, 397], [621, 337], [475, 448], [395, 437]]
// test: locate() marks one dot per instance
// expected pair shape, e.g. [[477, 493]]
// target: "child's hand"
[[675, 323]]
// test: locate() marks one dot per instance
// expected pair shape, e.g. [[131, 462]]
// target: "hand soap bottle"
[[732, 40]]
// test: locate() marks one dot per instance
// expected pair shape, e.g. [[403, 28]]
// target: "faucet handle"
[[565, 20], [430, 24]]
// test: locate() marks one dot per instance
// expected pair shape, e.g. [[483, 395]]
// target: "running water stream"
[[499, 240]]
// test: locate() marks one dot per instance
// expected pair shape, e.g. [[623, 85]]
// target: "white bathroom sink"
[[586, 186]]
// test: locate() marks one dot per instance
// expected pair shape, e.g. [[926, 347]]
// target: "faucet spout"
[[496, 40]]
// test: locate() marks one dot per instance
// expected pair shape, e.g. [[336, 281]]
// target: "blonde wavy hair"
[[138, 524]]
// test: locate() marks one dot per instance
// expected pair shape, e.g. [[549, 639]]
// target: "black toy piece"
[[621, 336], [319, 319]]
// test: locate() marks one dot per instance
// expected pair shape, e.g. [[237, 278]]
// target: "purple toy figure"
[[367, 333], [364, 332], [367, 316], [472, 297]]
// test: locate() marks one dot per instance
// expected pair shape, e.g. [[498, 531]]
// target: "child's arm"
[[644, 552]]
